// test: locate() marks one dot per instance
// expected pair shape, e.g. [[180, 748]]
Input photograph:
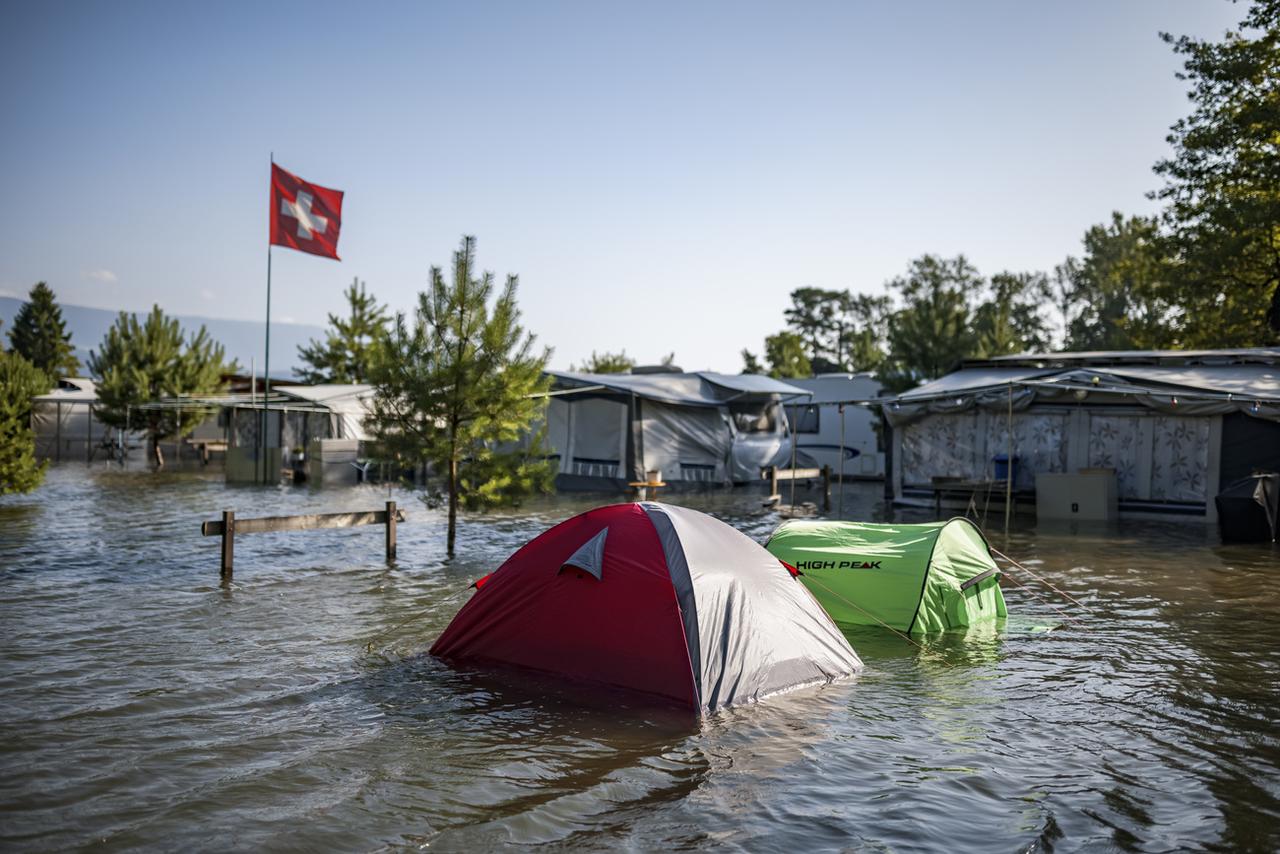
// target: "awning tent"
[[654, 598], [912, 578], [691, 427], [1172, 425]]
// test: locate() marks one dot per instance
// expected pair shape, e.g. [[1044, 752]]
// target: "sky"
[[661, 176]]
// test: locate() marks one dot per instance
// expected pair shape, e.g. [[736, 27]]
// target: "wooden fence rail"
[[775, 474], [228, 526]]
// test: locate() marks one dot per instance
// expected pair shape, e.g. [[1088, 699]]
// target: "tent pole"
[[1008, 466]]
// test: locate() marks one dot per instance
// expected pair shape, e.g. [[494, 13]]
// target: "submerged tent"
[[654, 598], [913, 578]]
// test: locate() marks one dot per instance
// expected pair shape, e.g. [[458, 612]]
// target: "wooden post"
[[391, 530], [826, 489], [228, 542], [773, 480]]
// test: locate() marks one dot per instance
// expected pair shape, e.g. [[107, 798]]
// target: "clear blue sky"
[[661, 176]]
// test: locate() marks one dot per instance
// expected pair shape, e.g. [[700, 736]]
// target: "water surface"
[[148, 706]]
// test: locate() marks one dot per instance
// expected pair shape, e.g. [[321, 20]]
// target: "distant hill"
[[243, 339]]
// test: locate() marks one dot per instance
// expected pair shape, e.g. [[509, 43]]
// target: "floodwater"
[[145, 706]]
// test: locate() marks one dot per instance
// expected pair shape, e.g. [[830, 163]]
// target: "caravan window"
[[758, 417], [803, 419]]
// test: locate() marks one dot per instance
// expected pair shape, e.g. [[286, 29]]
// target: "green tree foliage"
[[1010, 320], [1118, 295], [344, 355], [141, 362], [461, 386], [786, 356], [606, 363], [1223, 185], [817, 317], [40, 335], [751, 363], [930, 332], [19, 382], [864, 338]]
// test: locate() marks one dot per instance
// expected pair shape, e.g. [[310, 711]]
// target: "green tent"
[[914, 578]]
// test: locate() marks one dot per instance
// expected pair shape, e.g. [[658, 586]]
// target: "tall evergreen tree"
[[344, 355], [1223, 185], [141, 362], [460, 386], [40, 335], [19, 382]]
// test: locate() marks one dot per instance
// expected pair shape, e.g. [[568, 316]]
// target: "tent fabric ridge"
[[590, 555], [682, 581]]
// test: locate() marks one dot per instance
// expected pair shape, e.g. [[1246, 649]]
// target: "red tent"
[[656, 598]]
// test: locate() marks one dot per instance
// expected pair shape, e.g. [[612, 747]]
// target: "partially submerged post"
[[229, 526], [228, 541]]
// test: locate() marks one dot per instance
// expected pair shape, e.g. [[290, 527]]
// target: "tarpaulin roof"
[[838, 388], [71, 390], [703, 388], [973, 379], [1241, 355]]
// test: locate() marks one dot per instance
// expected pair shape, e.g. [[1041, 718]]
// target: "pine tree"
[[343, 357], [19, 382], [460, 388], [40, 335], [144, 362]]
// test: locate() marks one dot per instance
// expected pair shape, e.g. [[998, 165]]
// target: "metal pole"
[[840, 511], [1008, 466], [794, 419], [266, 362]]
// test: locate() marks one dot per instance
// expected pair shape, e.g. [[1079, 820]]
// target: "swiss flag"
[[304, 216]]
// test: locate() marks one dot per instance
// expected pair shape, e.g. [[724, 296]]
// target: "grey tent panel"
[[682, 581], [590, 555]]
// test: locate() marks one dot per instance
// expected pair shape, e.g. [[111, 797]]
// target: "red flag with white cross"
[[304, 216]]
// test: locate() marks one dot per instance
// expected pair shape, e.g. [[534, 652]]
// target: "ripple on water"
[[148, 706]]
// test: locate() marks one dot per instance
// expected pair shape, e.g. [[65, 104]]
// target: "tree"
[[785, 354], [1011, 320], [1223, 185], [1118, 296], [461, 384], [606, 363], [817, 317], [20, 381], [344, 355], [143, 362], [930, 333], [40, 335], [751, 363], [864, 338]]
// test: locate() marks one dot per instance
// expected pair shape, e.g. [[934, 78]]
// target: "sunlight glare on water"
[[146, 706]]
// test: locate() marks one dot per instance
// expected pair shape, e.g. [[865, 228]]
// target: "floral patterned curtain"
[[1179, 458]]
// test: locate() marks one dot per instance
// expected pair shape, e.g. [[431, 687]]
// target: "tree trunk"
[[157, 454], [453, 502]]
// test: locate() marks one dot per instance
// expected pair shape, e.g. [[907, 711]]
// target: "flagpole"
[[266, 362]]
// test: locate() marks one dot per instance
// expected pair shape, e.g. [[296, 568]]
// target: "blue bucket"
[[1002, 466]]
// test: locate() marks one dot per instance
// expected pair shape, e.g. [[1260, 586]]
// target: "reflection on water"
[[147, 706]]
